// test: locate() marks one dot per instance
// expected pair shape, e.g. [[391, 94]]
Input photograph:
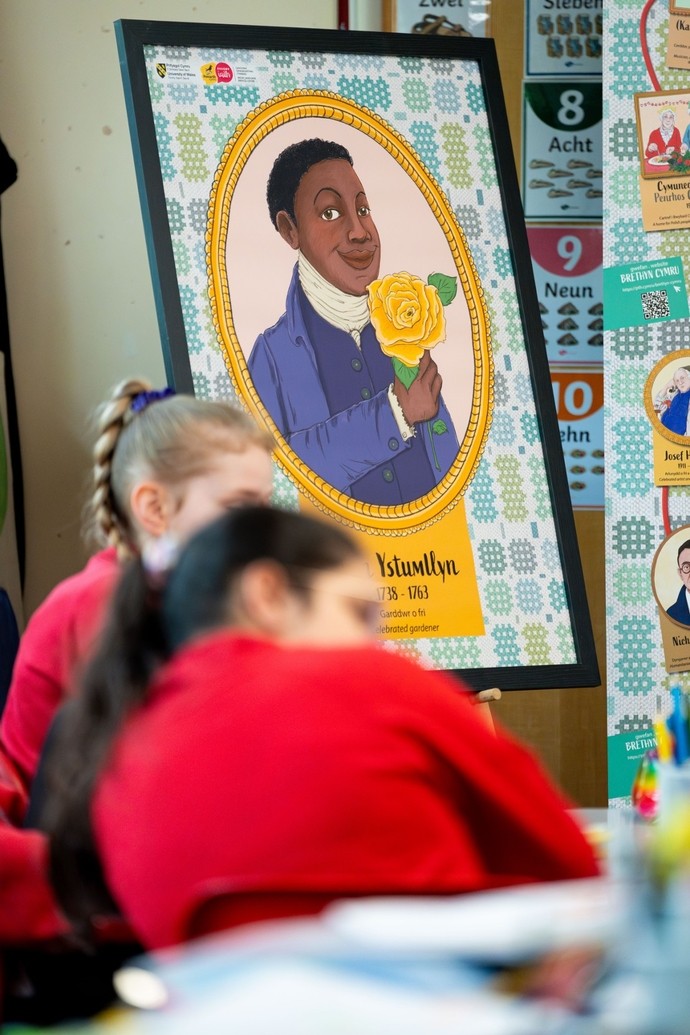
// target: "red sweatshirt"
[[257, 769], [56, 642]]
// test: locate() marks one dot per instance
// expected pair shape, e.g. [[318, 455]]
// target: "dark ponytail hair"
[[146, 626]]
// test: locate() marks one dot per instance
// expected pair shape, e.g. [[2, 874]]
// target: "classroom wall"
[[81, 304], [79, 290]]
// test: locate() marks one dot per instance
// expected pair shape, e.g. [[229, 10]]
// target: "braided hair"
[[170, 440]]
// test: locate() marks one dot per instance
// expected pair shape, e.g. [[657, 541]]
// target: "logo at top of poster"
[[350, 311], [216, 72]]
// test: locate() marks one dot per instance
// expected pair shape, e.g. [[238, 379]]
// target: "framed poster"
[[333, 230], [663, 134]]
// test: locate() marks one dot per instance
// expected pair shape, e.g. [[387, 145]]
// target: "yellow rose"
[[407, 315]]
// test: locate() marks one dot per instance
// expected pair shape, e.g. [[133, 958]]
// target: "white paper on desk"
[[299, 998], [505, 926]]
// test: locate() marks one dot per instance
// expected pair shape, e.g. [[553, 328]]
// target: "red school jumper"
[[57, 639], [256, 770]]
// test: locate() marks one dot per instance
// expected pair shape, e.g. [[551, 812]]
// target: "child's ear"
[[263, 600], [152, 506]]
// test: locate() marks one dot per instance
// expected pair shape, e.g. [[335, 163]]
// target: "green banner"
[[645, 292], [625, 754]]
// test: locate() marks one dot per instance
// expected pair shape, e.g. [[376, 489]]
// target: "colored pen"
[[664, 744]]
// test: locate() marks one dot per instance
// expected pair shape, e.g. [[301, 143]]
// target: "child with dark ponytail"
[[242, 750]]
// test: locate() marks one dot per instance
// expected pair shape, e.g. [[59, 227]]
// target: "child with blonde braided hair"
[[164, 465]]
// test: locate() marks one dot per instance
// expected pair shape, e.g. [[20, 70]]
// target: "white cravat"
[[349, 313]]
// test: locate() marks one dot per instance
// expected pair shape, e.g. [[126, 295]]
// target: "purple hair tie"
[[144, 399]]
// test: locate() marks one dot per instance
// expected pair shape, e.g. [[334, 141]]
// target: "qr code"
[[655, 305]]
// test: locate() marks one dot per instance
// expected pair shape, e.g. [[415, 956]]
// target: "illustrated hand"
[[420, 401], [652, 149]]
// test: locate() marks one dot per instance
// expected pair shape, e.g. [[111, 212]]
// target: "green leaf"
[[447, 287], [439, 427], [404, 373]]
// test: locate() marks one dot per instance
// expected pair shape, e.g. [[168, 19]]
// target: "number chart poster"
[[346, 275], [563, 37], [562, 150], [567, 264], [579, 396]]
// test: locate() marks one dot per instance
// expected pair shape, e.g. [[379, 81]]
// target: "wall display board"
[[562, 150], [563, 37], [567, 272], [332, 221], [648, 491]]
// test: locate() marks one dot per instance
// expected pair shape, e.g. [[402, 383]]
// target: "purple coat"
[[329, 400]]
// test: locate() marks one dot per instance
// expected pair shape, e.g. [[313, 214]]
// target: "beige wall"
[[79, 290]]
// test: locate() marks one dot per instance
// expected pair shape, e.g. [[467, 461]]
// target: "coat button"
[[388, 475], [366, 393], [356, 364], [393, 443]]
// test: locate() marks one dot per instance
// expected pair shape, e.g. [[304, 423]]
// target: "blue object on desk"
[[678, 725]]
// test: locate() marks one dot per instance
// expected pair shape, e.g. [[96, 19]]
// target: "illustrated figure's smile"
[[359, 259]]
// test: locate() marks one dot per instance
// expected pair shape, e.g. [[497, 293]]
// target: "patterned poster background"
[[439, 107]]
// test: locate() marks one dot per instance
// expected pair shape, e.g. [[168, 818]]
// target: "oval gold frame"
[[665, 361], [287, 107]]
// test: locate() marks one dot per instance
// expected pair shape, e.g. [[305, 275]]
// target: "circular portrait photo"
[[351, 312], [671, 576], [667, 396]]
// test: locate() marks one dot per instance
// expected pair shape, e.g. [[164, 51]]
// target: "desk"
[[404, 966], [422, 966]]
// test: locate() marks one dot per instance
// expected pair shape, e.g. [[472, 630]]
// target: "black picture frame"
[[140, 42]]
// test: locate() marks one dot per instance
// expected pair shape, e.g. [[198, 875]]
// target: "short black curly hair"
[[289, 168]]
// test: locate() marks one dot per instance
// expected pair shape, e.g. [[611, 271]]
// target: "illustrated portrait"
[[667, 396], [355, 325], [671, 576], [663, 130]]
